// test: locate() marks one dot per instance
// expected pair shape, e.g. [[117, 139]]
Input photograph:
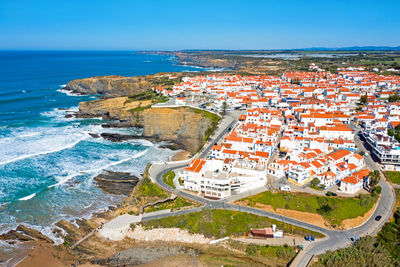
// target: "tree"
[[325, 209], [296, 81], [224, 106], [363, 100], [315, 181], [394, 98], [395, 133], [374, 178], [389, 237]]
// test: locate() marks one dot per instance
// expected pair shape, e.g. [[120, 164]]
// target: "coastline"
[[37, 252], [99, 212]]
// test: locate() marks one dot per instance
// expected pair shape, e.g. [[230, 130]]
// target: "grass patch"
[[168, 178], [140, 108], [221, 223], [148, 95], [280, 252], [242, 254], [67, 244], [149, 189], [393, 176], [389, 236], [365, 252], [333, 209], [284, 253], [178, 203], [316, 187]]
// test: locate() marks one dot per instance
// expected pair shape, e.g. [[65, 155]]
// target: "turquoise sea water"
[[47, 162]]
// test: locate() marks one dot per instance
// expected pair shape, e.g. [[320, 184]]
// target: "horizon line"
[[345, 48]]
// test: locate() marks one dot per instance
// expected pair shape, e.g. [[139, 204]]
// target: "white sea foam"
[[138, 155], [97, 170], [28, 135], [22, 157], [28, 197], [6, 139], [143, 142], [67, 92]]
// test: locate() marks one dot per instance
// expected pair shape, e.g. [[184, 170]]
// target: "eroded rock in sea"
[[118, 183]]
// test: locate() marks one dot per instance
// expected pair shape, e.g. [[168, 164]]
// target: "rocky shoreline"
[[183, 126], [197, 60], [118, 183], [183, 129]]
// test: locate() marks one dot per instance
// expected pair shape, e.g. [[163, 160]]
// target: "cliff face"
[[205, 61], [118, 108], [182, 125], [110, 86]]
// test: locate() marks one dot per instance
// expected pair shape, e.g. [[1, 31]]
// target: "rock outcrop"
[[184, 126], [180, 125], [110, 86], [205, 61], [23, 234], [118, 183], [119, 108]]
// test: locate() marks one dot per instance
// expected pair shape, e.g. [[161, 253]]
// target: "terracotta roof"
[[339, 154]]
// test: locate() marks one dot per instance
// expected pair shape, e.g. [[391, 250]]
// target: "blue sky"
[[171, 25]]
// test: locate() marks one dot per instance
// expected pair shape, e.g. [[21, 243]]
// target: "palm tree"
[[374, 178]]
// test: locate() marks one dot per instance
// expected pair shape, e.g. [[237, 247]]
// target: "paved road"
[[228, 121], [334, 239], [340, 239]]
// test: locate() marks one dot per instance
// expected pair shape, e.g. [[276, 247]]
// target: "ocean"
[[47, 161]]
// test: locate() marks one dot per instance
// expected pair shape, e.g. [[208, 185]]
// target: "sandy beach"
[[181, 155]]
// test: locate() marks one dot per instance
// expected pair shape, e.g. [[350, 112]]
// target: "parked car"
[[285, 188], [378, 218], [330, 194], [309, 238]]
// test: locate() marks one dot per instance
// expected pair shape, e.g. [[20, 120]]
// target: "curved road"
[[334, 239]]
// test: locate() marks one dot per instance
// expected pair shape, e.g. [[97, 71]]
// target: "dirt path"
[[307, 217]]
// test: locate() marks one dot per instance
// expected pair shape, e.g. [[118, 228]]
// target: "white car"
[[285, 188]]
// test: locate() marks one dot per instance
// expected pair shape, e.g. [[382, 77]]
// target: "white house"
[[355, 182]]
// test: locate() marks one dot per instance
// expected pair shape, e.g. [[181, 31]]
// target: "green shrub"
[[221, 223], [393, 176], [365, 252], [168, 178]]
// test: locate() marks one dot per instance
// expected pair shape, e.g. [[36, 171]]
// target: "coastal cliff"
[[110, 86], [205, 61], [184, 126]]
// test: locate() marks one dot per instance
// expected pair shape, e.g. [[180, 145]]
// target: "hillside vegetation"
[[333, 209], [221, 223]]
